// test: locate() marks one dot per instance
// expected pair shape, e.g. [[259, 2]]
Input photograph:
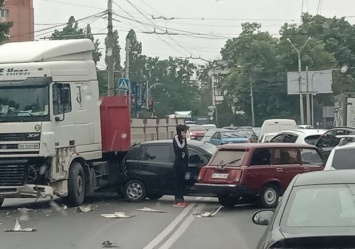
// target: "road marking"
[[181, 230], [160, 237]]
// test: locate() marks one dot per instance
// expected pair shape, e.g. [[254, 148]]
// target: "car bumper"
[[231, 189], [26, 191]]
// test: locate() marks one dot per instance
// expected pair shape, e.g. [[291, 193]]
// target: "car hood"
[[235, 139], [316, 237]]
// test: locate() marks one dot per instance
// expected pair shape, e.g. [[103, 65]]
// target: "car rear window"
[[197, 128], [312, 139], [228, 157], [343, 159]]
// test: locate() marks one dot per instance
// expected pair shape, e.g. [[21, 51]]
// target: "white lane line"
[[181, 230], [169, 228]]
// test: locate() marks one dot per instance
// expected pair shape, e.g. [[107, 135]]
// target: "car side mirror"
[[263, 217]]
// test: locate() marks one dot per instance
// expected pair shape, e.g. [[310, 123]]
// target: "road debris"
[[85, 208], [58, 208], [146, 209], [109, 244], [117, 215], [18, 228], [208, 214]]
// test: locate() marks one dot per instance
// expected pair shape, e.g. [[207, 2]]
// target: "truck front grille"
[[28, 136], [13, 172]]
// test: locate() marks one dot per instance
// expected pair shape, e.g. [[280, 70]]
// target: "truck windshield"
[[24, 103]]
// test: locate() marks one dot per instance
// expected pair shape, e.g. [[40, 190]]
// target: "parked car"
[[300, 136], [341, 157], [209, 127], [147, 170], [316, 211], [220, 136], [247, 170], [331, 139], [276, 125], [196, 132]]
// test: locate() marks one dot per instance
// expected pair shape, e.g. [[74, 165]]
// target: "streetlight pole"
[[252, 102], [300, 74]]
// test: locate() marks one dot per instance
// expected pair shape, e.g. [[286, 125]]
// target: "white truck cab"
[[49, 119]]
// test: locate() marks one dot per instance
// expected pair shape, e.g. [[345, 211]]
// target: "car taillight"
[[237, 176], [202, 173]]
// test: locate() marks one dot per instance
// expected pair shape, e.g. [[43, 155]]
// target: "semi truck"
[[57, 136], [344, 109]]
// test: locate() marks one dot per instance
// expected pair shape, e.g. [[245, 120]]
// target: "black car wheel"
[[135, 191], [228, 201], [269, 196], [155, 196], [1, 201], [76, 184]]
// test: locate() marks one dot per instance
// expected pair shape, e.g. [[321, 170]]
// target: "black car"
[[316, 211], [330, 139], [147, 170]]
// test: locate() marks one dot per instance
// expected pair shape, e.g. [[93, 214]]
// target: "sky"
[[192, 28]]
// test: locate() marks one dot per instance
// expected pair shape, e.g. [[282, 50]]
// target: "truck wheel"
[[155, 196], [227, 201], [135, 191], [1, 201], [76, 184], [269, 196]]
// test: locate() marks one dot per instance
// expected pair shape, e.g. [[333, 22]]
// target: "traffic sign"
[[212, 107], [123, 84]]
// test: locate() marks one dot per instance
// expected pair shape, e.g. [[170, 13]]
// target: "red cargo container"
[[115, 124]]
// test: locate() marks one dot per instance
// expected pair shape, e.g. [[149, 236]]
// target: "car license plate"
[[219, 176], [28, 146]]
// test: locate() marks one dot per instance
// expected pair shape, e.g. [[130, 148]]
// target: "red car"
[[196, 131], [238, 171]]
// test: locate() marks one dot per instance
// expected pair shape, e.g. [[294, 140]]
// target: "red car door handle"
[[278, 169]]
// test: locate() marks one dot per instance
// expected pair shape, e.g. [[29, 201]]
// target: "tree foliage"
[[73, 31], [4, 26]]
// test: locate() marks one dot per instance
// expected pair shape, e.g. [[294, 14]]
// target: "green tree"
[[72, 31], [4, 26], [116, 51], [137, 61]]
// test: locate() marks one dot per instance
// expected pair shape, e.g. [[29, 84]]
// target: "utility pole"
[[110, 59], [127, 74], [307, 99], [252, 102]]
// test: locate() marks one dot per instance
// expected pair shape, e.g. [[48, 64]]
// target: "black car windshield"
[[320, 206], [20, 102], [225, 156], [343, 159]]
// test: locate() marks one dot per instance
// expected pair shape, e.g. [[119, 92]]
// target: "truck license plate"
[[28, 146], [219, 176]]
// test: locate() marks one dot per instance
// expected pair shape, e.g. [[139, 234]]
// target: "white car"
[[267, 137], [341, 157], [299, 136]]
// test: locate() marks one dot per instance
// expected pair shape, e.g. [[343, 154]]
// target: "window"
[[228, 157], [61, 98], [290, 138], [135, 153], [310, 156], [217, 135], [335, 140], [157, 153], [343, 159], [325, 140], [196, 158], [286, 156], [261, 157], [312, 139], [278, 139], [4, 13]]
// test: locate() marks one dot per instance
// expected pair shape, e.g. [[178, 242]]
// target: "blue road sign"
[[123, 84]]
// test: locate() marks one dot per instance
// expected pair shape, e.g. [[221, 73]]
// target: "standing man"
[[180, 164]]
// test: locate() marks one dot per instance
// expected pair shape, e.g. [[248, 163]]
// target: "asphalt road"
[[177, 228]]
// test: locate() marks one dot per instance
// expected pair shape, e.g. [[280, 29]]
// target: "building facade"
[[20, 13]]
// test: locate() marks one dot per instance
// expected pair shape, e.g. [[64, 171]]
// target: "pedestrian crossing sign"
[[123, 84]]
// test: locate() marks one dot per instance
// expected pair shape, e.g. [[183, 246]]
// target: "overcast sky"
[[200, 27]]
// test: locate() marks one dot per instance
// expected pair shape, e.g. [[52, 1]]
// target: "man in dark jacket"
[[180, 164]]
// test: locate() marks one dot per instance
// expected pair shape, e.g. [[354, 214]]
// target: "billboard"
[[318, 82]]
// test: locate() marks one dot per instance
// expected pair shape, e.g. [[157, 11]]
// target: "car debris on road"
[[18, 228], [85, 208], [109, 244], [208, 214], [117, 215], [146, 209]]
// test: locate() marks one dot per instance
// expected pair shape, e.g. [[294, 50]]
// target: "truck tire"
[[76, 184], [1, 201], [269, 196], [227, 201], [135, 191]]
